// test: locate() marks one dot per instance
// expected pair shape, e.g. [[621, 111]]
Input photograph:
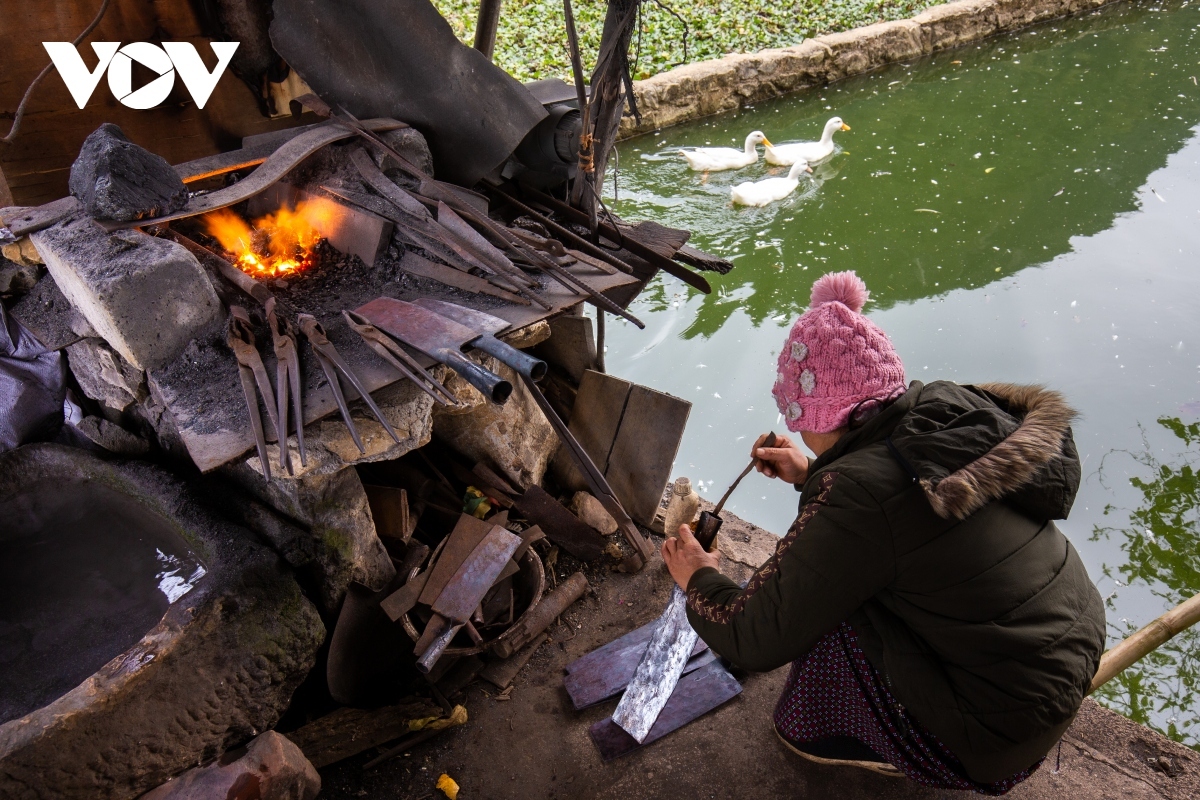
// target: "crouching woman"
[[939, 624]]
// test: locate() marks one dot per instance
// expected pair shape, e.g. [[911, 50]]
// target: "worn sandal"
[[841, 751]]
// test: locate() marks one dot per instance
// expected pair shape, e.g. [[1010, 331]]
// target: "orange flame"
[[277, 244]]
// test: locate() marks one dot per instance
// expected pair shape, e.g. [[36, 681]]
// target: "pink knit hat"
[[835, 359]]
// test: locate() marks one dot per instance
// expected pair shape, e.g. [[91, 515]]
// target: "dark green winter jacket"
[[928, 529]]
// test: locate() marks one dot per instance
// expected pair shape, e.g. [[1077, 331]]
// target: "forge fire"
[[276, 244]]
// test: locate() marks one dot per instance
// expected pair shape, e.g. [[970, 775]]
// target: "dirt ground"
[[535, 745]]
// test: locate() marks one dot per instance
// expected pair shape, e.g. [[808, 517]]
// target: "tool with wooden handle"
[[709, 525]]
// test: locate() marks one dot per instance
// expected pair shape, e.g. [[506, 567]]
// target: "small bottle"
[[682, 508]]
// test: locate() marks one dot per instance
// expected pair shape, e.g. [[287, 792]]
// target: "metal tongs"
[[390, 351], [287, 376], [332, 364], [240, 337]]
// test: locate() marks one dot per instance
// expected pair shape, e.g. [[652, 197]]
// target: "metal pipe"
[[486, 26], [538, 618]]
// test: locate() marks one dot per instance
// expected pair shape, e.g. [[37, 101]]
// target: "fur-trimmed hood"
[[970, 445]]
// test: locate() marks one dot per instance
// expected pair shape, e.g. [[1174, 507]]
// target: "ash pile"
[[334, 398]]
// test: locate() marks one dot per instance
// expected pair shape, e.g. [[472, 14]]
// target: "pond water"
[[1023, 210]]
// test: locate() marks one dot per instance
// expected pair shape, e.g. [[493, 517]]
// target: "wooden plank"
[[571, 346], [644, 450], [694, 696], [31, 220], [595, 420], [560, 525], [349, 731], [463, 540], [39, 159], [389, 510], [587, 687], [704, 261], [662, 240]]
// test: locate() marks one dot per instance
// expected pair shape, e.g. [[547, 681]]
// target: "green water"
[[1031, 214]]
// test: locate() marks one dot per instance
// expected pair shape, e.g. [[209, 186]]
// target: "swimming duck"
[[760, 193], [714, 159], [812, 152]]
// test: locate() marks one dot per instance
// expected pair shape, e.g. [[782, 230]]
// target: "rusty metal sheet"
[[694, 696], [400, 58], [463, 540], [476, 575], [560, 525]]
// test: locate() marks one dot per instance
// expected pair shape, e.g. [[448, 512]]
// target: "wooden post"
[[1128, 652], [6, 198], [486, 25]]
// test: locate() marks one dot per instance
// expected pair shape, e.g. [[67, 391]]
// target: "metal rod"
[[593, 477], [486, 26], [600, 340], [569, 235], [628, 242], [767, 442]]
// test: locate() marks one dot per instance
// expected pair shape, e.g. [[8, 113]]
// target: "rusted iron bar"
[[596, 481], [566, 233], [640, 250]]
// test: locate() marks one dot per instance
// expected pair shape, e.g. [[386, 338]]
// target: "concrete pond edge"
[[702, 89]]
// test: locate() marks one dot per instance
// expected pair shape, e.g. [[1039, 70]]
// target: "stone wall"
[[727, 84]]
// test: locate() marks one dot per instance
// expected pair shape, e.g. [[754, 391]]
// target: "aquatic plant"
[[1159, 540], [530, 43]]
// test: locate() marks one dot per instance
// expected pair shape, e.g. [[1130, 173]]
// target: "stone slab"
[[147, 297]]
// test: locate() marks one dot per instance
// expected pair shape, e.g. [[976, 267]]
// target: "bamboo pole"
[[1128, 652]]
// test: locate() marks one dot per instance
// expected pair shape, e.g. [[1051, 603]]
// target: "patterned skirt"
[[834, 691]]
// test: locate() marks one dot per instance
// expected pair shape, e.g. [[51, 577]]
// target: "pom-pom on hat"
[[835, 360]]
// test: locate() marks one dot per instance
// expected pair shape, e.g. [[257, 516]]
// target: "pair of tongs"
[[332, 364], [390, 351], [240, 337], [287, 377]]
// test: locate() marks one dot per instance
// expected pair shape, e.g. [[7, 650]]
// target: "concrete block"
[[955, 24], [871, 47], [147, 297]]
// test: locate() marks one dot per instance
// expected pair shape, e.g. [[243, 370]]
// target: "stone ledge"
[[726, 84]]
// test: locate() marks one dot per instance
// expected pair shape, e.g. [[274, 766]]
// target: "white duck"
[[761, 193], [812, 152], [714, 159]]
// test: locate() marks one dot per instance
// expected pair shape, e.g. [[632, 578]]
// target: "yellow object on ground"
[[447, 786]]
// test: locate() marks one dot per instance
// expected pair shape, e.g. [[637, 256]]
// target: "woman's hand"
[[783, 461], [684, 556]]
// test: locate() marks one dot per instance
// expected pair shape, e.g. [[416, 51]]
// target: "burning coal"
[[275, 245]]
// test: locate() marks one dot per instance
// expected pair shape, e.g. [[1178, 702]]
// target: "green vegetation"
[[1159, 540], [532, 42]]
